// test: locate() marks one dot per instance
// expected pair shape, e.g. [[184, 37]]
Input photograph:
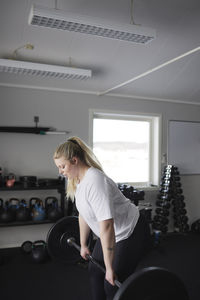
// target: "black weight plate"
[[152, 283], [57, 246], [57, 237]]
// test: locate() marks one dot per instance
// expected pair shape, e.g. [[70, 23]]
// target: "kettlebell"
[[6, 214], [39, 252], [23, 212], [195, 227], [26, 247], [10, 180], [14, 206], [1, 207], [1, 204], [52, 210], [37, 210], [32, 202]]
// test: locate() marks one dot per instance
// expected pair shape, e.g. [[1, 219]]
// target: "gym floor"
[[22, 279]]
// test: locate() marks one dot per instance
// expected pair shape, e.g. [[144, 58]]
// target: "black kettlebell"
[[14, 205], [52, 210], [6, 214], [195, 227], [39, 251], [32, 202], [1, 204], [26, 247], [37, 209], [23, 212]]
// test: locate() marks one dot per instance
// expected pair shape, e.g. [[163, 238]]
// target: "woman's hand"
[[84, 252], [110, 276], [84, 233]]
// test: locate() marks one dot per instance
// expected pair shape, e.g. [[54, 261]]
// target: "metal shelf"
[[25, 223], [21, 129], [21, 188], [34, 130], [60, 189]]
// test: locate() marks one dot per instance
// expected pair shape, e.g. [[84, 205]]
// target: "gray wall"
[[26, 154]]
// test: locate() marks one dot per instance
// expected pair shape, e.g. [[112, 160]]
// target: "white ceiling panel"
[[177, 25]]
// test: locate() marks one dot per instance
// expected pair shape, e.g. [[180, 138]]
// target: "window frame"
[[154, 145]]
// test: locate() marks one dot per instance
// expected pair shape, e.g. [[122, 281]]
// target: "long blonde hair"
[[74, 146]]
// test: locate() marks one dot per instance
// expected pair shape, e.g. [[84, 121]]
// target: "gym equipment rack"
[[170, 200]]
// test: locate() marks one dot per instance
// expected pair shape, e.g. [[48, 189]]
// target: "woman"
[[122, 234]]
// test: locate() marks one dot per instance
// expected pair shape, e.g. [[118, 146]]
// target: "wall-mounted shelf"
[[34, 130], [19, 187], [25, 223]]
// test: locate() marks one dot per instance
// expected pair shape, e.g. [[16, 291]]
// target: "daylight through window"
[[124, 145]]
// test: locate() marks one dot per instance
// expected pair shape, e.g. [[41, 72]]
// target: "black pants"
[[127, 254]]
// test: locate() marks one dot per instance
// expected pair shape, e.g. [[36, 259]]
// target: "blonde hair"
[[75, 147]]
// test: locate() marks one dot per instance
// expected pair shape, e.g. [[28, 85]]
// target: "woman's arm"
[[84, 234], [107, 236]]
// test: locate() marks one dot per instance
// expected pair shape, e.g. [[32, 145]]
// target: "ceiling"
[[113, 62]]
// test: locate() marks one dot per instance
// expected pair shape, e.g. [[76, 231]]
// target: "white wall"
[[27, 154]]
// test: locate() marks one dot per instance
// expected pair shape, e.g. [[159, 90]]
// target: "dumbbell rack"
[[131, 193], [136, 196], [170, 201]]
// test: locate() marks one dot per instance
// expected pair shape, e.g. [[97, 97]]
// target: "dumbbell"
[[179, 211], [162, 211], [163, 204], [181, 218], [178, 204], [161, 219], [183, 227], [164, 197], [165, 190]]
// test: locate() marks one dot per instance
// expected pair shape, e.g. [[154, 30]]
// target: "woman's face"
[[67, 168]]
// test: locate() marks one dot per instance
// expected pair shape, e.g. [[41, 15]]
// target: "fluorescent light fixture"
[[54, 18], [43, 70]]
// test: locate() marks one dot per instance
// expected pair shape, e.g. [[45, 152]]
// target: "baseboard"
[[10, 246]]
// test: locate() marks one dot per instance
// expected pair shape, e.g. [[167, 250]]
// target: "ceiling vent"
[[43, 70], [55, 18]]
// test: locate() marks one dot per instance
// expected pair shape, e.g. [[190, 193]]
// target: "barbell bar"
[[72, 242]]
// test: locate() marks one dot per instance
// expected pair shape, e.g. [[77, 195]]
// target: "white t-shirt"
[[98, 198]]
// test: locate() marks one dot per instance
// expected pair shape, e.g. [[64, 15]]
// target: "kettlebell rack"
[[60, 187], [170, 200]]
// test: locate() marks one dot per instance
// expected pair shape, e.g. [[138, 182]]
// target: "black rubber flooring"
[[22, 279]]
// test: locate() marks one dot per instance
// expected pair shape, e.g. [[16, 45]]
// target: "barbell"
[[72, 242], [150, 283]]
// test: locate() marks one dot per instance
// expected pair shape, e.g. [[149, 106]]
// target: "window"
[[127, 146]]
